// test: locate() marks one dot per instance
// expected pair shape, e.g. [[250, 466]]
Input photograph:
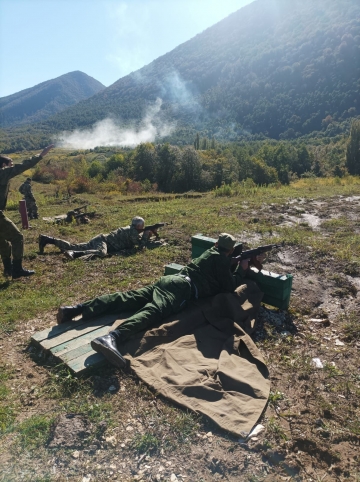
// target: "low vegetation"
[[311, 421]]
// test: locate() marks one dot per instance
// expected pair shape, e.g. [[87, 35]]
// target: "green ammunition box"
[[276, 287]]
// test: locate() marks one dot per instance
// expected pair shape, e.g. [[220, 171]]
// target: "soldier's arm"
[[224, 275], [13, 171]]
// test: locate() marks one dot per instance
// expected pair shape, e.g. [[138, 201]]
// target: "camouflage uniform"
[[11, 240], [101, 245], [204, 276], [31, 206]]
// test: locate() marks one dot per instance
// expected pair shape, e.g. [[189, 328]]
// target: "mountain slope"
[[46, 99], [276, 68]]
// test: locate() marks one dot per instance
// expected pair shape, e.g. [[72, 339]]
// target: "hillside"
[[46, 99], [274, 68]]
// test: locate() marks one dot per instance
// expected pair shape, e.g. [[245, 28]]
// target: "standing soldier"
[[31, 206], [11, 240]]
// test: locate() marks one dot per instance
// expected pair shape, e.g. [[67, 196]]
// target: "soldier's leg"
[[35, 210], [31, 208], [96, 246], [11, 234], [5, 253], [11, 240], [118, 302], [170, 295]]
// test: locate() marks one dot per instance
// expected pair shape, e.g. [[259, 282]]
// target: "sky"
[[106, 39]]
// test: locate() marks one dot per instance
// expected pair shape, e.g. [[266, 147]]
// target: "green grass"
[[34, 432], [145, 443], [7, 404]]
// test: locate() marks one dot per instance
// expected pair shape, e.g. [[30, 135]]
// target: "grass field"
[[312, 429]]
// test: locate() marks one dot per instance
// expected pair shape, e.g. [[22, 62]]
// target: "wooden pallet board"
[[69, 343]]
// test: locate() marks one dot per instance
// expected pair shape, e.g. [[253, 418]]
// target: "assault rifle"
[[154, 227], [252, 253], [77, 210]]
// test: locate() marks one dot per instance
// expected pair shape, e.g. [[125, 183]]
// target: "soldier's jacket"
[[124, 238], [8, 173], [211, 273], [25, 190]]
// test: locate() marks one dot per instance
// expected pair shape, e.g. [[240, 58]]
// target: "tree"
[[145, 162], [168, 159], [353, 149], [197, 142], [189, 175]]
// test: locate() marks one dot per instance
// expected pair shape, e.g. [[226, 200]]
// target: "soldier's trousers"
[[31, 207], [153, 303], [11, 240], [96, 246]]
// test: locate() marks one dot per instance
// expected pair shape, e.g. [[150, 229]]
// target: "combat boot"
[[43, 241], [18, 271], [67, 313], [74, 254], [7, 266], [108, 347]]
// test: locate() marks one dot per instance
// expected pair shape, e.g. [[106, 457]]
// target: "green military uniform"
[[101, 245], [204, 276], [31, 206], [11, 240]]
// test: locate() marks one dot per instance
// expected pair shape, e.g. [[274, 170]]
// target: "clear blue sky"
[[106, 39]]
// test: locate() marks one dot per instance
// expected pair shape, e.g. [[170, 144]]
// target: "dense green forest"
[[46, 99], [205, 166]]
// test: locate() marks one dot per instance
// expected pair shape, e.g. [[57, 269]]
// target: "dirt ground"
[[311, 423]]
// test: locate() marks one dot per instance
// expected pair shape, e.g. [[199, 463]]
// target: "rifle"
[[155, 226], [252, 253], [77, 210]]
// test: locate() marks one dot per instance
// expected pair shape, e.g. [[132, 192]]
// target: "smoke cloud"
[[108, 133]]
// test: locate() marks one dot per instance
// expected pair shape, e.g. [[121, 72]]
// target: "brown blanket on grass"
[[204, 359]]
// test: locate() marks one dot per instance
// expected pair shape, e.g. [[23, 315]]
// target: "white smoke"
[[108, 133]]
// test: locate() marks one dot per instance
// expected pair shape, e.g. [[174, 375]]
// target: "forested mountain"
[[46, 99], [275, 67]]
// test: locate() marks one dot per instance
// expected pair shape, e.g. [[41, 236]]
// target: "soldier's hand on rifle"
[[46, 150], [261, 257], [245, 264]]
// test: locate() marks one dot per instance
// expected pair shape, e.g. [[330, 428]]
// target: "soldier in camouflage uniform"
[[11, 240], [101, 245], [205, 276], [31, 206]]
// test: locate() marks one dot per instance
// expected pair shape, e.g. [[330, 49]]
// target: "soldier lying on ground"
[[205, 276], [103, 244], [11, 240], [31, 206]]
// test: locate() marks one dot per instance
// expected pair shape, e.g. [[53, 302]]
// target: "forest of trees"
[[167, 168]]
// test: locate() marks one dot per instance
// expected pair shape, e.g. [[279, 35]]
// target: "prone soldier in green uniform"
[[31, 206], [11, 240], [122, 238], [205, 276]]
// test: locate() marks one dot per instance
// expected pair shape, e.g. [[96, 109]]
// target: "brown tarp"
[[205, 360]]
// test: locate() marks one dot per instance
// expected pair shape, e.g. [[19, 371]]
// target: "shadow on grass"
[[4, 285]]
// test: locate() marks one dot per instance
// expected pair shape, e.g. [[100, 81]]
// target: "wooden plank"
[[84, 328], [77, 353], [56, 330], [75, 343], [86, 361]]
